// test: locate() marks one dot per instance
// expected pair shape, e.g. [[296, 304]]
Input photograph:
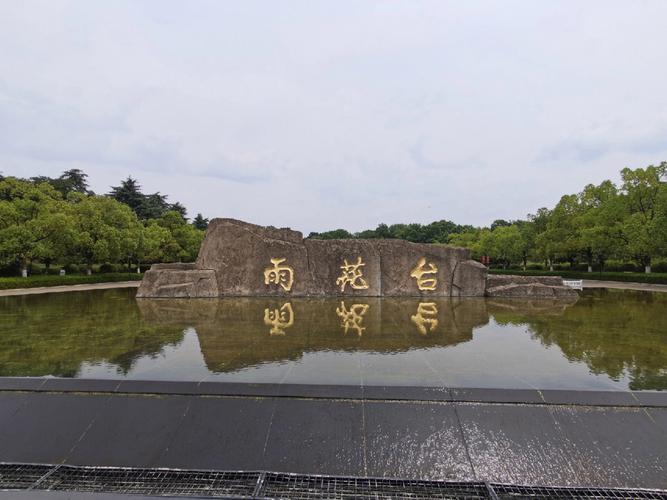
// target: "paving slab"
[[21, 383], [321, 391], [518, 444], [416, 441], [79, 385], [132, 431], [650, 398], [589, 398], [164, 387], [316, 437], [618, 447], [547, 444], [497, 395], [406, 393], [47, 426], [220, 433]]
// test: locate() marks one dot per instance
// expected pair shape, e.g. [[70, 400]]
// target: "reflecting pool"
[[609, 339]]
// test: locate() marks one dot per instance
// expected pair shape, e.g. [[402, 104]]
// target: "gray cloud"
[[320, 114]]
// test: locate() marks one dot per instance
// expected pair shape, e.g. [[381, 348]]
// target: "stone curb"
[[369, 393]]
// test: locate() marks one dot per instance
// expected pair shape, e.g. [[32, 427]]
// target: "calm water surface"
[[609, 339]]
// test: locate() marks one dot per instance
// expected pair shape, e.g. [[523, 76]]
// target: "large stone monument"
[[242, 259]]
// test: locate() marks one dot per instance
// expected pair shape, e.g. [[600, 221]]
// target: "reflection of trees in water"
[[54, 334], [614, 332]]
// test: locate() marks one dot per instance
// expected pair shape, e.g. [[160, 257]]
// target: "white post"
[[24, 273], [647, 269], [590, 269]]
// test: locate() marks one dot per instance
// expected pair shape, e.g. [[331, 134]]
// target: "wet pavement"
[[566, 438]]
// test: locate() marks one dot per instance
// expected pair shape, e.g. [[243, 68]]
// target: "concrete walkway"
[[524, 437], [69, 288], [622, 285]]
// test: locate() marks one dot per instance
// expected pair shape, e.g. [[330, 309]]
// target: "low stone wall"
[[538, 287]]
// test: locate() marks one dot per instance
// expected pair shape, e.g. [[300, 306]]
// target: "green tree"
[[106, 231], [33, 221], [645, 225], [185, 240], [599, 223], [200, 222]]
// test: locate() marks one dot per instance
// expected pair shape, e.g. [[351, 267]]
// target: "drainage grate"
[[152, 481], [512, 492], [261, 485], [315, 487], [21, 476]]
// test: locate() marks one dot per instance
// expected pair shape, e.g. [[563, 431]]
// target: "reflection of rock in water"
[[538, 306], [233, 332]]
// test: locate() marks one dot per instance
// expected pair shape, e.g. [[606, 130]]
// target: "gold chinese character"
[[353, 317], [352, 275], [279, 319], [427, 315], [418, 273], [280, 275]]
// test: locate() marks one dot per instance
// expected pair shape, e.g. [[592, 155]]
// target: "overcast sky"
[[319, 115]]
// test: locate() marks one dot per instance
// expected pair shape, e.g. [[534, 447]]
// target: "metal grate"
[[258, 485], [21, 476], [315, 487], [512, 492], [152, 481]]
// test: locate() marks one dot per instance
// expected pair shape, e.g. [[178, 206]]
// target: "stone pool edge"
[[656, 399]]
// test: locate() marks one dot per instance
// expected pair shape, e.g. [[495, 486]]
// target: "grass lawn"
[[37, 280], [655, 278]]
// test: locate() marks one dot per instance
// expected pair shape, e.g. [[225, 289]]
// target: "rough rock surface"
[[236, 255], [529, 287], [178, 281]]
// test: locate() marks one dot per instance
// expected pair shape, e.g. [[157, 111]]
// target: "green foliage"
[[200, 222], [435, 232], [61, 221], [600, 223]]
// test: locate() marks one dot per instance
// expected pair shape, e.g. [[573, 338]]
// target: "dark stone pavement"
[[524, 437]]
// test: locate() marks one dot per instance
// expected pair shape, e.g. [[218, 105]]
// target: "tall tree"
[[645, 225], [200, 222]]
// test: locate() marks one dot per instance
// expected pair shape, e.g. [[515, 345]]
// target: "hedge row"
[[70, 279], [654, 278]]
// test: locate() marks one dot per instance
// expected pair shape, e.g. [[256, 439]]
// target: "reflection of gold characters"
[[418, 273], [280, 275], [353, 317], [352, 275], [279, 319], [427, 316]]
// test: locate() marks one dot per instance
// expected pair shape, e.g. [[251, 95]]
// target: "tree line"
[[626, 223], [61, 221]]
